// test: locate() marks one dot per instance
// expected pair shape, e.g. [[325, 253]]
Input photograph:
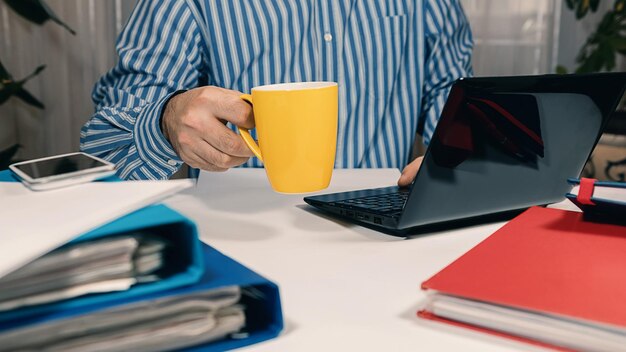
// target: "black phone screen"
[[58, 166]]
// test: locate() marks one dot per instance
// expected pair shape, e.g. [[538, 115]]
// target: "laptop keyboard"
[[390, 204]]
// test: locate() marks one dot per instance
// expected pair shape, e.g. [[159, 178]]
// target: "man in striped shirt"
[[184, 63]]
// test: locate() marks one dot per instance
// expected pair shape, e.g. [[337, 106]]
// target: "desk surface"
[[343, 287]]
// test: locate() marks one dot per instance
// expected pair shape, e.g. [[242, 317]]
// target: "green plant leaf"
[[16, 89], [582, 9], [618, 43], [571, 4], [607, 41], [561, 70], [596, 59], [602, 57], [29, 99], [592, 62], [38, 70], [35, 73], [7, 155], [9, 88], [608, 56], [37, 12], [4, 74]]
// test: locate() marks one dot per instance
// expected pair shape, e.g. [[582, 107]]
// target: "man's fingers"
[[196, 161], [225, 140], [210, 155], [409, 172], [227, 105], [192, 159]]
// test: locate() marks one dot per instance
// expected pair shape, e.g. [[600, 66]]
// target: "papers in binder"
[[103, 265], [162, 324]]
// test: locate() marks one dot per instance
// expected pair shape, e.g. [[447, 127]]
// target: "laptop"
[[502, 144]]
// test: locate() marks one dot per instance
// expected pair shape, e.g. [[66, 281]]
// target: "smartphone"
[[62, 170]]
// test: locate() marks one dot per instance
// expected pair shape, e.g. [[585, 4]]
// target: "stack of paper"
[[104, 265], [162, 324]]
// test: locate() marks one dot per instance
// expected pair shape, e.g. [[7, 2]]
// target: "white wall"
[[513, 37], [73, 65]]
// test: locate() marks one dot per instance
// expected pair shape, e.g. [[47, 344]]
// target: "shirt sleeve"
[[448, 50], [159, 55]]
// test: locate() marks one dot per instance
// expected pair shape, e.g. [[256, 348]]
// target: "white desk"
[[343, 287]]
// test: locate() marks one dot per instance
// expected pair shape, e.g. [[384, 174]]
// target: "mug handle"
[[245, 133]]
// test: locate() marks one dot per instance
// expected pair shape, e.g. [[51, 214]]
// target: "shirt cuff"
[[152, 146]]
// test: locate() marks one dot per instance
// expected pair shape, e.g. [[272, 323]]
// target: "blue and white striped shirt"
[[394, 61]]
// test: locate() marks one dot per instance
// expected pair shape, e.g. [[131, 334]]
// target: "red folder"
[[548, 261]]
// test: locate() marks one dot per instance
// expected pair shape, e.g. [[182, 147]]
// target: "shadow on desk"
[[241, 193], [414, 232], [330, 222], [241, 202], [431, 229], [236, 229]]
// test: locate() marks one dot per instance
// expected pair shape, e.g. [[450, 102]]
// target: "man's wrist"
[[168, 111], [152, 146]]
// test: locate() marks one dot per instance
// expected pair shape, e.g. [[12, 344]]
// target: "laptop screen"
[[506, 143]]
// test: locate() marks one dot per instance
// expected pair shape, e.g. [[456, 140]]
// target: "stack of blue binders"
[[195, 268]]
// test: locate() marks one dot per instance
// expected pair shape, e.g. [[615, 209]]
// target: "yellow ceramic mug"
[[296, 126]]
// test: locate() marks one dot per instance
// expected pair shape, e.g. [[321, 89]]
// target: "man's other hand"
[[194, 123], [409, 172]]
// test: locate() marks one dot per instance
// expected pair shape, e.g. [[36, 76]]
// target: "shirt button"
[[328, 37], [172, 162]]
